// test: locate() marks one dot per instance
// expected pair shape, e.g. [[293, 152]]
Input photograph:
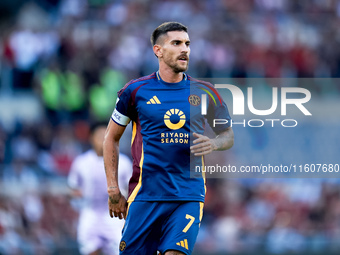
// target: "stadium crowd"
[[70, 57]]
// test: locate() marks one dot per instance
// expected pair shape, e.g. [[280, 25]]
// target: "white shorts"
[[97, 230]]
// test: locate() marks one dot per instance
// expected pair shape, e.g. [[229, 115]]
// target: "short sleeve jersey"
[[164, 117]]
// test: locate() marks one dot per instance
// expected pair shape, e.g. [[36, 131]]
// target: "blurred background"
[[62, 62]]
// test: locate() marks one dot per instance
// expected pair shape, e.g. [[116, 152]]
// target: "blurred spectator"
[[64, 148], [96, 231]]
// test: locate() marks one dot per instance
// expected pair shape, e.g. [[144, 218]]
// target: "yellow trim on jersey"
[[134, 131], [205, 191], [127, 212], [127, 209], [203, 175], [201, 211], [136, 189]]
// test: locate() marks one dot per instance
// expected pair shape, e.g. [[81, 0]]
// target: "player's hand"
[[203, 145], [117, 205]]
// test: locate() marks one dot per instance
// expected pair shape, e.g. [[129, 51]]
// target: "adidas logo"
[[183, 244], [153, 100]]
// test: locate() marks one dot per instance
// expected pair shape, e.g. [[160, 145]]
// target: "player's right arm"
[[117, 202]]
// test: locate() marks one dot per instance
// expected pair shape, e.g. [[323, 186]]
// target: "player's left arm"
[[204, 145]]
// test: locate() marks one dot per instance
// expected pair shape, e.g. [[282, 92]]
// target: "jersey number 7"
[[192, 219]]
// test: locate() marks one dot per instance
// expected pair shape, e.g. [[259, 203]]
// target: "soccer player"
[[97, 233], [165, 203]]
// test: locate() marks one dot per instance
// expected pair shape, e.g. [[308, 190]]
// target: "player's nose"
[[185, 50]]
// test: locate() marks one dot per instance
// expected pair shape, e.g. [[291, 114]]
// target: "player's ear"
[[157, 49]]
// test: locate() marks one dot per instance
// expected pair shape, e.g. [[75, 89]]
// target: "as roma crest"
[[194, 100], [122, 246]]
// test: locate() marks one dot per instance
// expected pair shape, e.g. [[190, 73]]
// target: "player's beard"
[[177, 68], [173, 64]]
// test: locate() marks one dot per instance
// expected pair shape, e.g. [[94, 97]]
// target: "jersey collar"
[[182, 82]]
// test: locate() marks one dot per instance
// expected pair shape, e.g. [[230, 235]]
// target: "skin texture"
[[172, 51], [203, 145], [117, 202], [173, 46]]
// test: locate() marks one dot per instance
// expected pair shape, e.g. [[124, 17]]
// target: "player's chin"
[[181, 68]]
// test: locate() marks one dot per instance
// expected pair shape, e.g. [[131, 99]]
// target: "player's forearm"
[[111, 157], [224, 140]]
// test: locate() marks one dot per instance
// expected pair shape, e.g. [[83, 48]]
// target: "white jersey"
[[96, 229]]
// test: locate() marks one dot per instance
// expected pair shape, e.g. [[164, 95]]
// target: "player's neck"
[[168, 75]]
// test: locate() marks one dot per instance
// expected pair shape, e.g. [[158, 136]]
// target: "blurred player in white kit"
[[97, 233]]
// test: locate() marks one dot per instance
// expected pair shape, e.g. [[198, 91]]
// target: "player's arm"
[[117, 202], [203, 145]]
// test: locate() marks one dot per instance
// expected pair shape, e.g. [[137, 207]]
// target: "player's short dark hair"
[[166, 27], [97, 124]]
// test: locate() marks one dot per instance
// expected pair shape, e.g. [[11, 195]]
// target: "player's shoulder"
[[135, 83], [200, 83], [207, 87]]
